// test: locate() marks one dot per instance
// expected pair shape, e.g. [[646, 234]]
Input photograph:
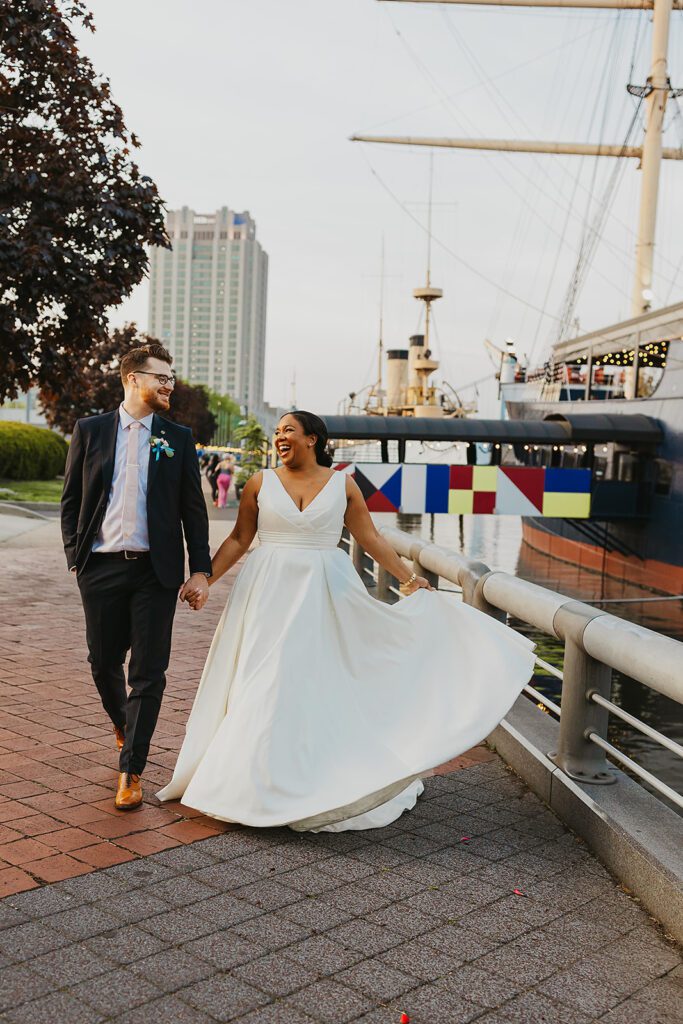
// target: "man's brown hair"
[[137, 357]]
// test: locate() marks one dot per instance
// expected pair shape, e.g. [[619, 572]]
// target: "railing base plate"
[[595, 779]]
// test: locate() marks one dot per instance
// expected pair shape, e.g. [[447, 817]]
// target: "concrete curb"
[[9, 507], [636, 837]]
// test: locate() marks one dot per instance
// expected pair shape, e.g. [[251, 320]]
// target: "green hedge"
[[30, 453]]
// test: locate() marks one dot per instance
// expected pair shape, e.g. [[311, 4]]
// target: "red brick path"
[[58, 759]]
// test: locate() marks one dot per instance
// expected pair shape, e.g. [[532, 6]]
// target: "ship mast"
[[380, 347], [658, 88], [651, 153], [420, 360]]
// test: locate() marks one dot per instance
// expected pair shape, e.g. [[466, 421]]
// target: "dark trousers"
[[126, 608]]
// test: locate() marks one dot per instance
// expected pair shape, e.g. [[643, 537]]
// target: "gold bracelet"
[[411, 579]]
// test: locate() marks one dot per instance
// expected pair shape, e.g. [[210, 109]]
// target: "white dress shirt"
[[111, 536]]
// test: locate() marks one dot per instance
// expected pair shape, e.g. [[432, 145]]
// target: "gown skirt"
[[320, 707]]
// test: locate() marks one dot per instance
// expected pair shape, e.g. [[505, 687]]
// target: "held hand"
[[195, 591]]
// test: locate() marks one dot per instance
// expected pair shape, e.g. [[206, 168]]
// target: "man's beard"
[[154, 401]]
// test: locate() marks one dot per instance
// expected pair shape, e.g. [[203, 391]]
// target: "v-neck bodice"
[[318, 525]]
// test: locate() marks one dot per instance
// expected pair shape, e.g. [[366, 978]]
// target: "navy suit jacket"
[[175, 502]]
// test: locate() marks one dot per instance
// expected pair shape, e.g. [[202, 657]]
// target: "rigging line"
[[474, 383], [510, 163], [680, 267], [478, 67], [607, 71], [592, 238], [447, 249], [637, 39], [545, 244], [487, 81], [551, 279], [678, 120], [592, 221], [678, 117], [478, 85]]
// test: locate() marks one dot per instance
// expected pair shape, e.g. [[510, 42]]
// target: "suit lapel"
[[109, 434]]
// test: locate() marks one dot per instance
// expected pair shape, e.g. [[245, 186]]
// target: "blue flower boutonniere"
[[159, 445]]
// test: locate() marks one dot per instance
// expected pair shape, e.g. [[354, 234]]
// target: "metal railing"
[[595, 643]]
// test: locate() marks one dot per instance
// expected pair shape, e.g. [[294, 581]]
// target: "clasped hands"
[[195, 591]]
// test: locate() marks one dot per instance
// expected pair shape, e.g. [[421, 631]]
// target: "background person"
[[224, 473]]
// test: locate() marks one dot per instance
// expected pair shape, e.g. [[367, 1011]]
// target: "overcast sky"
[[249, 104]]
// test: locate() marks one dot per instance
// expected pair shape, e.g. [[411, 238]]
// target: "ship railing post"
[[583, 676]]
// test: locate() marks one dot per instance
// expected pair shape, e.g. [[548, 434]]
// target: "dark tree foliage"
[[190, 406], [75, 211], [94, 386]]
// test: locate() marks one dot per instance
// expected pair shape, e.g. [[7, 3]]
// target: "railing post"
[[430, 576], [582, 676], [472, 583], [362, 561], [384, 581]]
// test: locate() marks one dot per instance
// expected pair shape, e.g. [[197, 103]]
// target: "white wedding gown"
[[319, 706]]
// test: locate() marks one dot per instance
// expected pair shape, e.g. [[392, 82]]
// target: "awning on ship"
[[557, 429]]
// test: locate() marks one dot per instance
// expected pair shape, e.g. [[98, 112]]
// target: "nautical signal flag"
[[478, 490]]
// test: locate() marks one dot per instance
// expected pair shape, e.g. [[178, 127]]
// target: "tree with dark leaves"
[[94, 386], [76, 214]]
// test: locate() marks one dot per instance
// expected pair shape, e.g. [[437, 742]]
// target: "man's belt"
[[127, 556]]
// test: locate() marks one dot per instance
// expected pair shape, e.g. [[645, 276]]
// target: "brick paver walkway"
[[57, 753], [270, 926], [58, 760]]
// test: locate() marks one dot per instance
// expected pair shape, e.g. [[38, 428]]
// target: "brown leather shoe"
[[129, 793], [120, 737]]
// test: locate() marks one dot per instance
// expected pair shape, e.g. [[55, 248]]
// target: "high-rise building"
[[207, 301]]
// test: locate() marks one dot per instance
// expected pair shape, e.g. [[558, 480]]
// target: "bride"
[[320, 707]]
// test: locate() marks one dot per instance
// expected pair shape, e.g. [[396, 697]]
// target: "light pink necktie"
[[130, 489]]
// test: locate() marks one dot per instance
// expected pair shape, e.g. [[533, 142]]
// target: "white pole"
[[519, 146], [637, 5], [652, 157]]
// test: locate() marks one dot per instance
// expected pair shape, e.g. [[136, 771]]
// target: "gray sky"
[[249, 104]]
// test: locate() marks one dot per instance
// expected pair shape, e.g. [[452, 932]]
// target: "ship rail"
[[595, 643]]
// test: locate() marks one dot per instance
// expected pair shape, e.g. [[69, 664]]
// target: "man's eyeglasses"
[[163, 378]]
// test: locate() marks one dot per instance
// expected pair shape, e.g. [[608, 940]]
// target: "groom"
[[131, 489]]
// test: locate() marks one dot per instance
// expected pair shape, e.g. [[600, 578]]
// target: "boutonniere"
[[159, 445]]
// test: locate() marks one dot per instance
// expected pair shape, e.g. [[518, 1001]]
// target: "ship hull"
[[558, 539]]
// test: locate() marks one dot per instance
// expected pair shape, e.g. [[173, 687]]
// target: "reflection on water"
[[497, 541]]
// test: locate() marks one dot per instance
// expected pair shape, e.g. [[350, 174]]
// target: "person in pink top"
[[224, 479]]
